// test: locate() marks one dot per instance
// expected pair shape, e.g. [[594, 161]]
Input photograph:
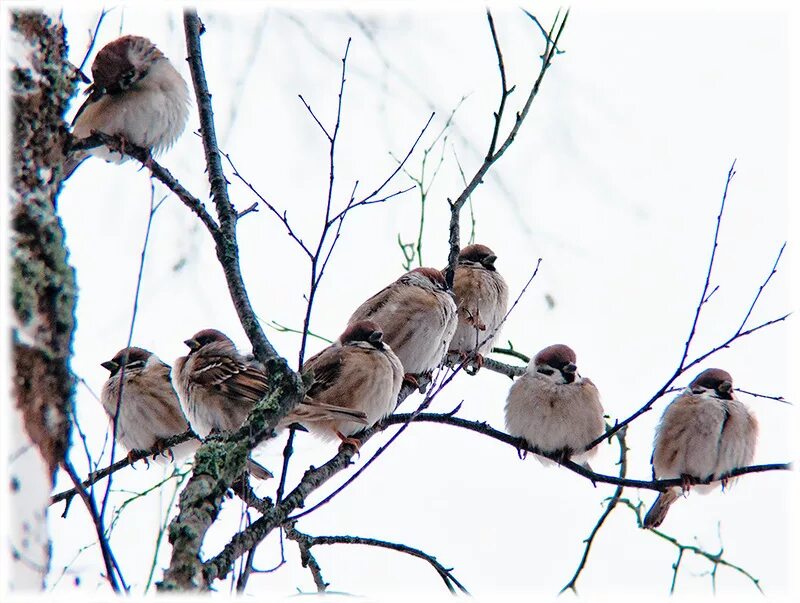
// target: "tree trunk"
[[43, 292]]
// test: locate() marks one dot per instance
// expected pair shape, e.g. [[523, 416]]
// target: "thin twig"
[[136, 455], [306, 542], [93, 39], [113, 573], [134, 313], [612, 503], [715, 558], [684, 366], [494, 153]]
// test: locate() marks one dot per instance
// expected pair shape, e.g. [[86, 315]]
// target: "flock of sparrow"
[[405, 331]]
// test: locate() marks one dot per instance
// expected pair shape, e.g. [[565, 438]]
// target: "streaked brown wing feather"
[[231, 377], [326, 368]]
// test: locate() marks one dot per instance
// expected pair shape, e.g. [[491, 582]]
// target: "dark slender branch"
[[684, 366], [520, 445], [316, 119], [306, 542], [159, 172], [315, 275], [426, 402], [612, 503], [136, 455], [222, 459], [493, 155], [287, 454], [543, 30], [762, 287], [703, 297], [219, 566], [755, 395], [134, 313], [715, 558], [281, 216], [371, 198], [504, 91], [306, 558], [113, 573], [92, 40], [225, 239]]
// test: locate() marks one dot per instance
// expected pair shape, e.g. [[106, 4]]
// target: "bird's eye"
[[545, 371]]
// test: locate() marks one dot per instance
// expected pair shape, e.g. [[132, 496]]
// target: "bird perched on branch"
[[704, 433], [218, 386], [357, 372], [553, 408], [481, 296], [417, 316], [136, 94], [149, 411]]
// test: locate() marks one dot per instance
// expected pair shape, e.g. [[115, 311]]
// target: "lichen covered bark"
[[43, 290]]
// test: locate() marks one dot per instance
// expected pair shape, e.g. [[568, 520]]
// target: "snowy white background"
[[615, 181]]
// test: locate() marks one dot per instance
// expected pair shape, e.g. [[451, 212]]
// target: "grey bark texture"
[[43, 292]]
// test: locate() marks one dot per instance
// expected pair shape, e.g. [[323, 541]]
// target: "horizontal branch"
[[521, 445], [130, 459], [159, 172], [308, 541]]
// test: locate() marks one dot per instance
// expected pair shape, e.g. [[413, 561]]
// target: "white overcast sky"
[[615, 181]]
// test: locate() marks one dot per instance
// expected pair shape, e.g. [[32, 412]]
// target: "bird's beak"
[[570, 368], [110, 366], [489, 260], [725, 387], [193, 344], [376, 337]]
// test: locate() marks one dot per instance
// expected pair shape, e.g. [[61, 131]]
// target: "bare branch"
[[715, 558], [683, 365], [612, 503], [306, 542], [136, 455], [493, 155], [113, 573], [163, 175], [520, 444]]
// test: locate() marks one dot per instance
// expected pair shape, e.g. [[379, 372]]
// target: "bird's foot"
[[349, 441]]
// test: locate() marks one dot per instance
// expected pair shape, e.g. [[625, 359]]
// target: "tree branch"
[[521, 445], [612, 503], [135, 455], [306, 542], [493, 155]]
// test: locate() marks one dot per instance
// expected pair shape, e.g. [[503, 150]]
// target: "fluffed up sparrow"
[[553, 408], [417, 316], [704, 433], [149, 411], [481, 296], [136, 94], [357, 372], [218, 386]]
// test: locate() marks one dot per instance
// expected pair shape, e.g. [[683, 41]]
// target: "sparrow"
[[218, 386], [360, 372], [149, 410], [481, 296], [418, 318], [136, 94], [705, 432], [553, 408]]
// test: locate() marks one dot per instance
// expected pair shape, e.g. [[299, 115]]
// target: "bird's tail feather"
[[655, 516]]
